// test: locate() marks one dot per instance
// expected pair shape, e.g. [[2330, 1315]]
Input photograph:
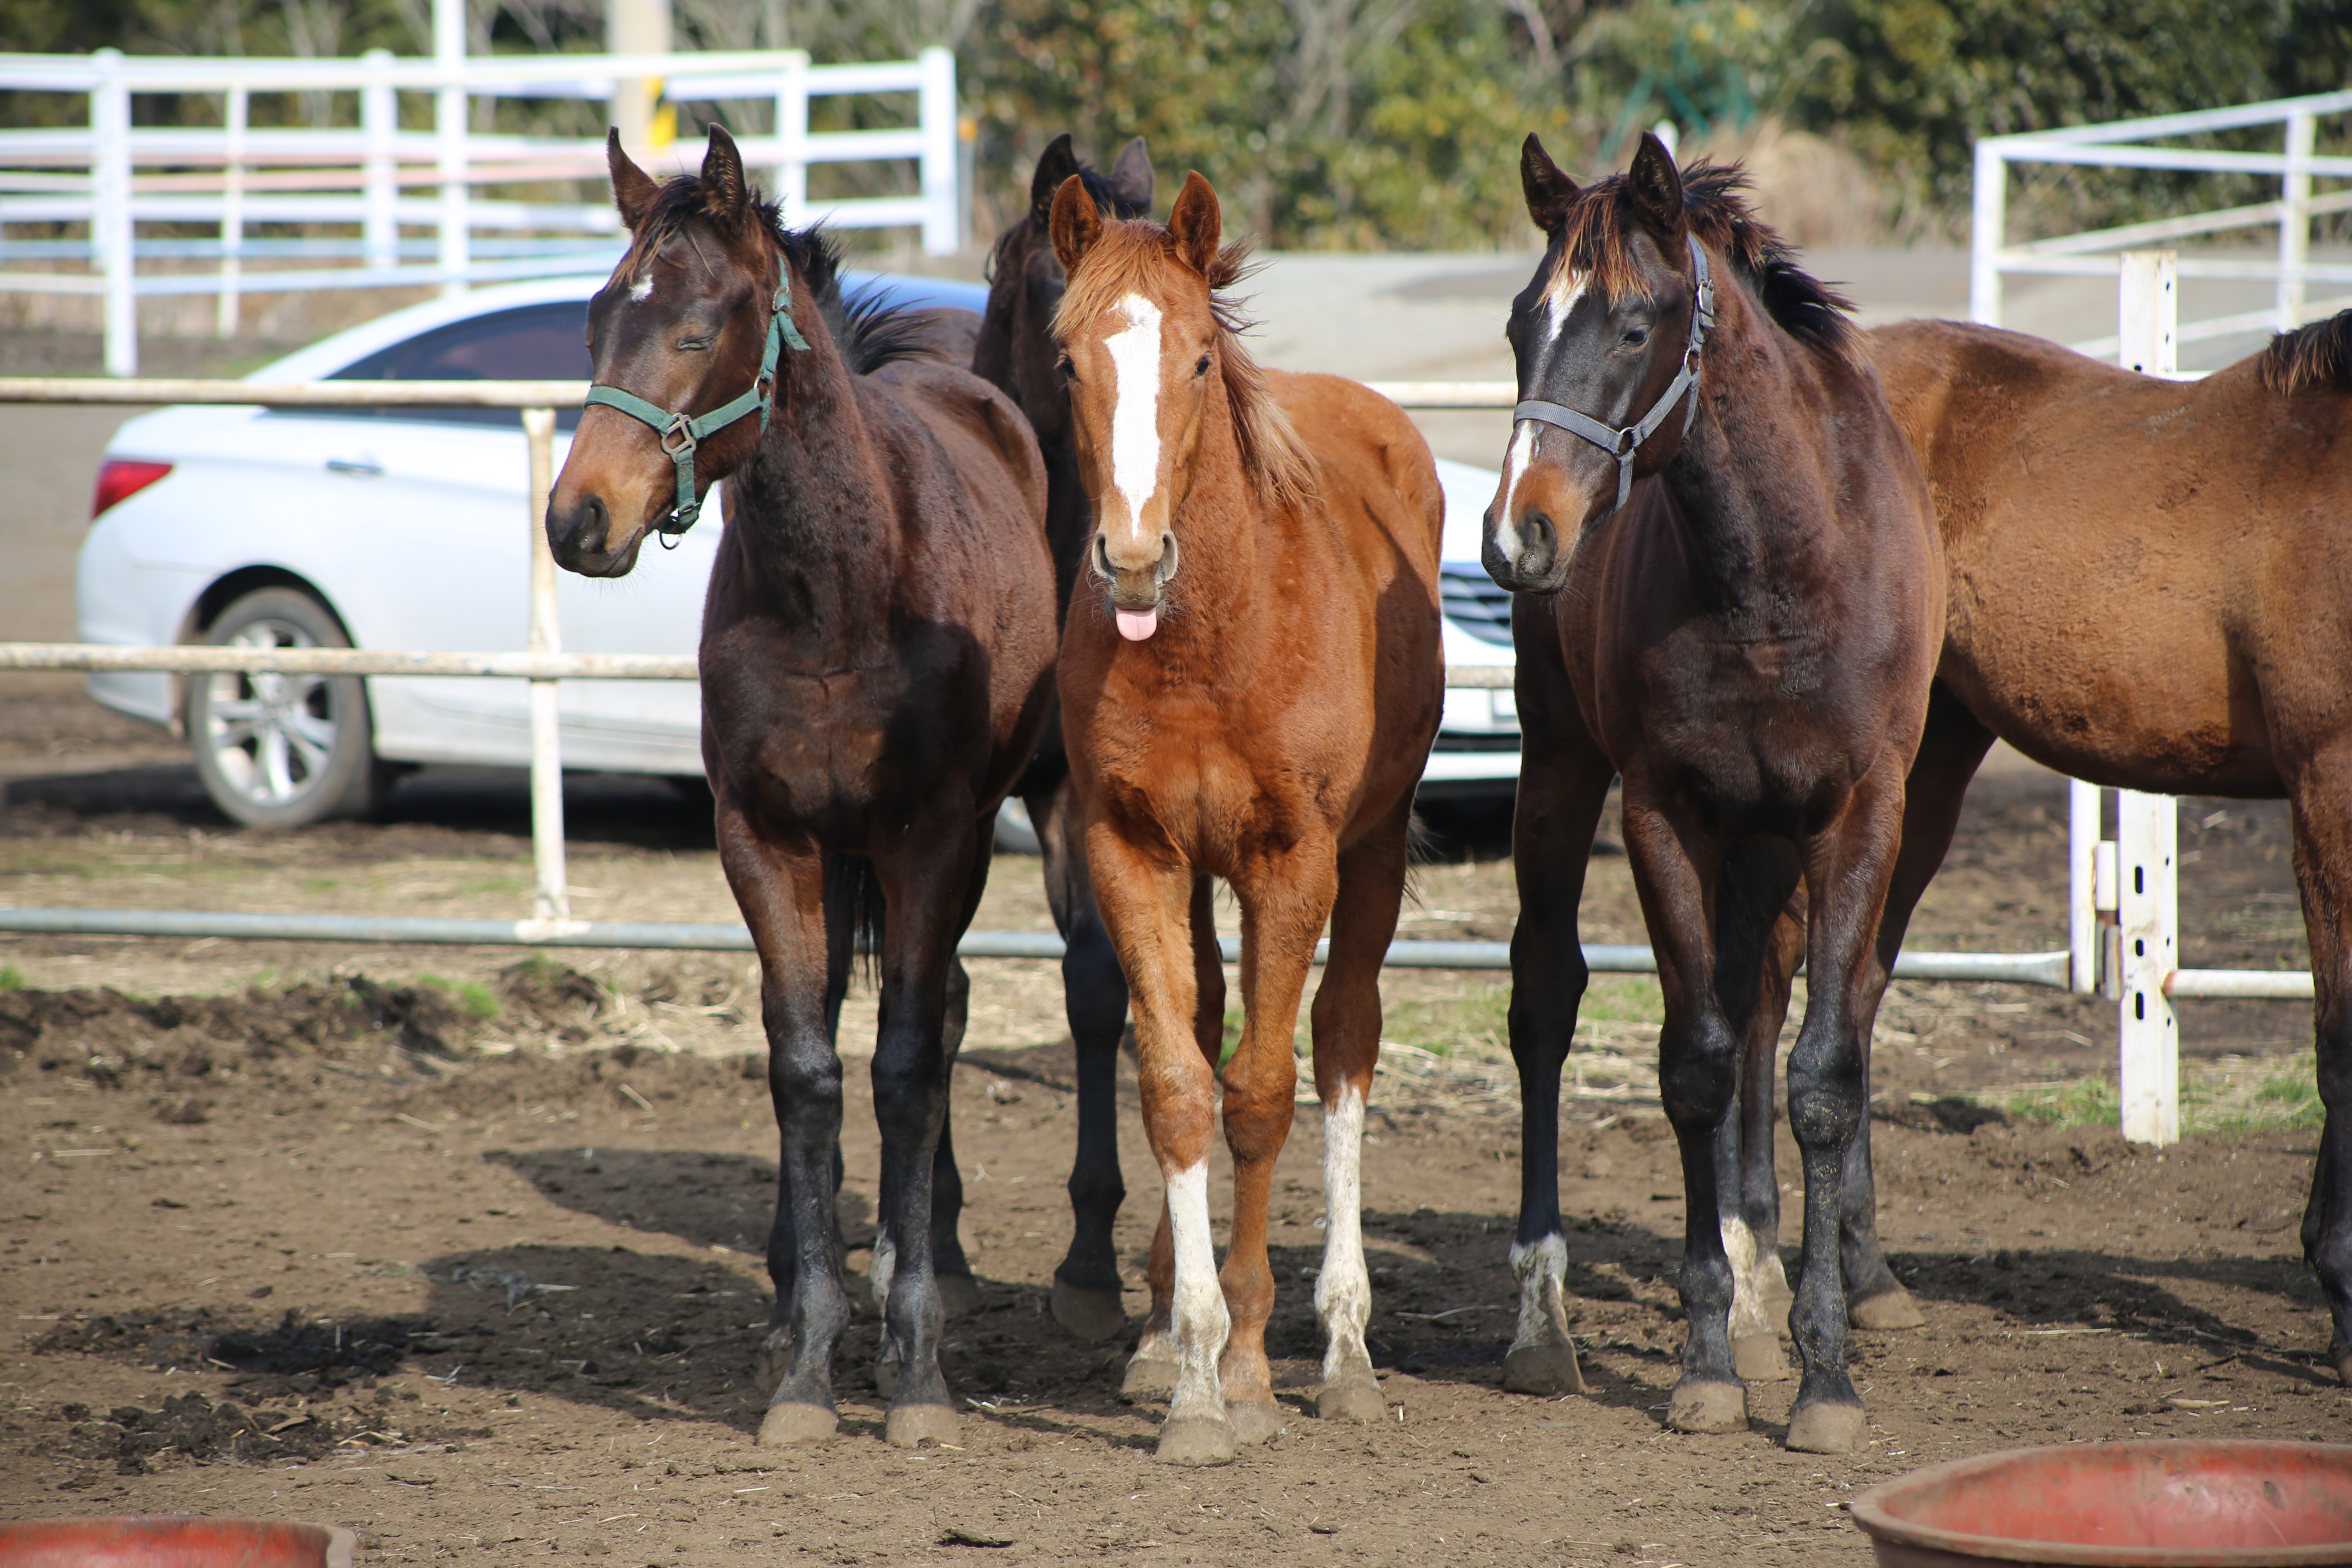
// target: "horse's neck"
[[1220, 528]]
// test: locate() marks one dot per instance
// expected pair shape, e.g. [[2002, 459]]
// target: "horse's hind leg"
[[1347, 1030], [2323, 869], [1563, 787], [1757, 948], [1094, 997]]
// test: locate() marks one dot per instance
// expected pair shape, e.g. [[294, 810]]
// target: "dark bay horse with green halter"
[[1733, 598], [876, 661], [1017, 350]]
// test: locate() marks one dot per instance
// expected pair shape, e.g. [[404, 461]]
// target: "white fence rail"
[[2140, 145], [406, 199]]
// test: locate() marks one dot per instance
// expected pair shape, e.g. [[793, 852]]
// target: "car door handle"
[[358, 467]]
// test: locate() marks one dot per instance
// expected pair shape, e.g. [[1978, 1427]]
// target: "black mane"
[[1108, 201], [2313, 357]]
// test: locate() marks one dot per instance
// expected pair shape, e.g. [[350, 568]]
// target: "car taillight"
[[121, 479]]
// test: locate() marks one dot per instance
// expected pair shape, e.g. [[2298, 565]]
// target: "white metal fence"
[[409, 203], [2147, 144]]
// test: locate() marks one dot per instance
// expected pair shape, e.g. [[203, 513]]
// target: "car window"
[[535, 342]]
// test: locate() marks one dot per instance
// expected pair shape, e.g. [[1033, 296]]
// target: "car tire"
[[283, 750]]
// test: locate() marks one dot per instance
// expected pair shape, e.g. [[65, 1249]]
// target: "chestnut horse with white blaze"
[[1250, 684], [1731, 595], [876, 662]]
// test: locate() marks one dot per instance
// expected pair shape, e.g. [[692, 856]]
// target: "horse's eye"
[[1636, 336], [1068, 371], [694, 345], [1203, 368]]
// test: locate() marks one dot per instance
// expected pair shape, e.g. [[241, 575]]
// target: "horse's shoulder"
[[964, 411], [1362, 441]]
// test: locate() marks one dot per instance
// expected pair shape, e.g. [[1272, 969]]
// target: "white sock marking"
[[1747, 1315], [882, 1270], [1198, 1314], [1135, 405], [1543, 1273], [1343, 1292]]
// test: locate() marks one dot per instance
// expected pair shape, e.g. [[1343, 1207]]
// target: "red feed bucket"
[[2120, 1505], [149, 1542]]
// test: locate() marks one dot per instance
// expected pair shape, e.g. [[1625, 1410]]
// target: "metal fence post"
[[2294, 220], [110, 228], [449, 110], [791, 138], [2147, 904], [379, 123], [236, 112], [1988, 231], [552, 898], [942, 226]]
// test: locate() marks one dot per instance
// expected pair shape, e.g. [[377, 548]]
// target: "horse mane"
[[869, 334], [1597, 239], [1033, 224], [2313, 357], [1123, 261]]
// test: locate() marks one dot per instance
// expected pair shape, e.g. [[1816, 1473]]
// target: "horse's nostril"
[[1538, 541], [1102, 556]]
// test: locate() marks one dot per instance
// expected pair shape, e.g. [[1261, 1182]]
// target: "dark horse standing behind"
[[878, 655], [1017, 351], [1749, 639]]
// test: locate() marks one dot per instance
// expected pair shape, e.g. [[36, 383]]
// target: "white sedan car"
[[407, 529]]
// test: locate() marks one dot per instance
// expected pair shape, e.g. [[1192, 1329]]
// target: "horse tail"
[[853, 910]]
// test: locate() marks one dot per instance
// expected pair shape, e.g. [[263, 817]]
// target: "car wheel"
[[283, 750]]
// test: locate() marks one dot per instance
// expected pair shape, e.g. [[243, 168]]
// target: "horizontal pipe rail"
[[2242, 985]]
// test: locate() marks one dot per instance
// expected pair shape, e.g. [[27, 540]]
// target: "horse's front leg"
[[1847, 869], [2323, 871], [929, 888], [1563, 786], [782, 895], [1698, 1070]]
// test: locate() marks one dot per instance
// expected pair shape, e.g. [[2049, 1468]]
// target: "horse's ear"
[[1055, 165], [1075, 223], [1195, 224], [633, 189], [1130, 175], [725, 195], [1657, 187], [1549, 189]]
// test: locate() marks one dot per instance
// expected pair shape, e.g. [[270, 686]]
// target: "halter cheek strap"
[[1623, 444], [679, 434]]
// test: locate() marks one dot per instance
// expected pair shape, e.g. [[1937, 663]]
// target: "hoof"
[[1091, 1315], [1707, 1407], [1255, 1421], [787, 1424], [959, 1294], [1352, 1399], [1147, 1380], [1825, 1429], [1758, 1358], [1196, 1440], [1888, 1310], [1542, 1369], [907, 1426]]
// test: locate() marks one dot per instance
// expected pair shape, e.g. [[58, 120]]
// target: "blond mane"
[[1132, 258]]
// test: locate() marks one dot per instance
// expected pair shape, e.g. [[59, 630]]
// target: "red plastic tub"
[[141, 1541], [2120, 1505]]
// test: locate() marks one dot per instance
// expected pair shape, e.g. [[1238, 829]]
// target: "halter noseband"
[[1624, 444], [680, 434]]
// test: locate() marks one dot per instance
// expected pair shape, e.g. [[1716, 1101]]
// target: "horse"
[[1016, 353], [1248, 691], [1733, 600], [877, 665]]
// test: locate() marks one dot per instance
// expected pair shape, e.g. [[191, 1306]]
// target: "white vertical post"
[[552, 898], [635, 28], [1988, 231], [2295, 221], [238, 111], [942, 230], [2147, 904], [791, 138], [450, 107], [111, 226], [379, 124], [2082, 836]]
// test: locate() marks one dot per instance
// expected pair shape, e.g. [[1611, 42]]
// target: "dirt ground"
[[462, 1251]]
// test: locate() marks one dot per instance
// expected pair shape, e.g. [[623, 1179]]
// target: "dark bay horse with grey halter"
[[1735, 600], [1017, 350], [1250, 681], [876, 662]]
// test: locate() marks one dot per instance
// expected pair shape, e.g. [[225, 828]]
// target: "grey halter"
[[1624, 444]]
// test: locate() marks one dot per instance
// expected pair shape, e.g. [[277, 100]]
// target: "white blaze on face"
[[1198, 1314], [1135, 405], [1567, 287]]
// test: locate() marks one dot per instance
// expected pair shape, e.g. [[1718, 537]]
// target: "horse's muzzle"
[[580, 537], [1135, 591], [1527, 556]]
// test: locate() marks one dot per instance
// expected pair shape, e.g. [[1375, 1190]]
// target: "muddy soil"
[[463, 1252]]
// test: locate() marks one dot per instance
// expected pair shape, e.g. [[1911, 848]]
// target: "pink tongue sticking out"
[[1135, 625]]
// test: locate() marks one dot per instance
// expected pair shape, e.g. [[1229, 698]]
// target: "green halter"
[[681, 434]]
